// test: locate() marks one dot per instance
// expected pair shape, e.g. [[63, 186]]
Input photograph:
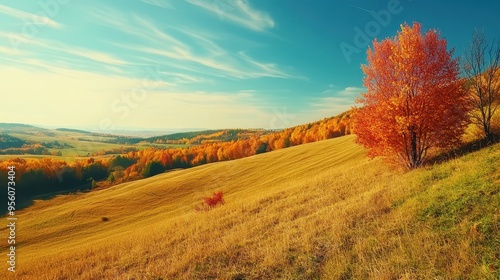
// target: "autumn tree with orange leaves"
[[414, 100]]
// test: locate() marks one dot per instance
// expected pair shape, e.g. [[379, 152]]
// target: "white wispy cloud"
[[347, 92], [58, 47], [181, 78], [10, 51], [332, 101], [95, 56], [159, 3], [237, 11], [235, 66], [29, 17], [204, 40], [336, 102], [271, 69], [351, 91], [135, 26], [198, 48], [150, 31]]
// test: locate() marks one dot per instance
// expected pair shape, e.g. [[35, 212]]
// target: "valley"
[[303, 212]]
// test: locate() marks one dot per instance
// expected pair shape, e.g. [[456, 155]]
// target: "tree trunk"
[[415, 161]]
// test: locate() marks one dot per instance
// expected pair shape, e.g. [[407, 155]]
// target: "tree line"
[[40, 176]]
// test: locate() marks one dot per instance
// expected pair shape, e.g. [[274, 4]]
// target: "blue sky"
[[170, 64]]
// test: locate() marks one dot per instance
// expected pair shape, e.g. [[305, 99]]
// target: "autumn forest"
[[48, 175]]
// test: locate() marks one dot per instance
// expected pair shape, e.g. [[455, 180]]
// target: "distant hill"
[[7, 141], [74, 130], [103, 137], [19, 127], [182, 135], [139, 133], [15, 125], [200, 137]]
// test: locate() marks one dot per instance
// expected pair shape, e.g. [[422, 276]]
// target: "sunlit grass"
[[320, 210]]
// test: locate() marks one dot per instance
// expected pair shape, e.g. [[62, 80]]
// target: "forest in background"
[[39, 176]]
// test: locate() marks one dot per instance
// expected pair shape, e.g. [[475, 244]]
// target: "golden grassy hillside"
[[315, 211]]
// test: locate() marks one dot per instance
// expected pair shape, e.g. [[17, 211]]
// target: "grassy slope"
[[316, 210]]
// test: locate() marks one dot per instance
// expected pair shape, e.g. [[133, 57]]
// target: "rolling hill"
[[64, 143], [199, 137], [73, 130], [318, 210], [19, 126]]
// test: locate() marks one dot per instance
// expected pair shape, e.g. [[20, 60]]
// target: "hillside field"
[[316, 211], [79, 144]]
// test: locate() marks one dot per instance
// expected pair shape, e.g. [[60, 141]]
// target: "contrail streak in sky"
[[360, 8]]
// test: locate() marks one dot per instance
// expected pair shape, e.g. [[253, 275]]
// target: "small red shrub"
[[211, 202]]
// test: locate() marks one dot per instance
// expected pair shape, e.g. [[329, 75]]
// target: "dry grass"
[[320, 210]]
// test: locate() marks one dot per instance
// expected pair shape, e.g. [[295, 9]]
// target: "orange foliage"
[[28, 149], [121, 150], [414, 101]]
